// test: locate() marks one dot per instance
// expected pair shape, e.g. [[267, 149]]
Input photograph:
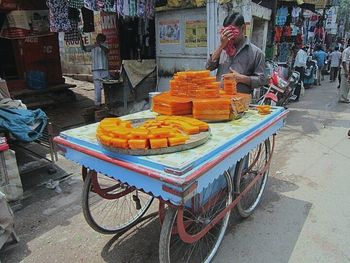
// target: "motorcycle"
[[279, 91]]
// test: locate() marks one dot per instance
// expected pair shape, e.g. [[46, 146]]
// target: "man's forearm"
[[217, 53], [244, 79]]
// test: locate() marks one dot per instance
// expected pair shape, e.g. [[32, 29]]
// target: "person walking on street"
[[345, 76], [99, 52], [320, 57], [300, 66], [335, 59]]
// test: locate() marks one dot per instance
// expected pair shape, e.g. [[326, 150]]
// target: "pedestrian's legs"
[[98, 86], [332, 74], [322, 70], [319, 76], [336, 69], [297, 90], [344, 88]]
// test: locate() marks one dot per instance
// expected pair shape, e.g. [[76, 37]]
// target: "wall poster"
[[196, 34], [169, 31]]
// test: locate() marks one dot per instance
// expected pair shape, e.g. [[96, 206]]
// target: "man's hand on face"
[[226, 36]]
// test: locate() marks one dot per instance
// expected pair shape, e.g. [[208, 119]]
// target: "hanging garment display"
[[132, 8], [58, 13], [141, 8], [278, 34], [88, 20], [73, 34], [281, 16], [74, 17], [150, 9], [76, 3], [283, 52], [90, 4], [126, 11]]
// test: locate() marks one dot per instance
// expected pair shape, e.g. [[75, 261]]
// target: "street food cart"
[[196, 188]]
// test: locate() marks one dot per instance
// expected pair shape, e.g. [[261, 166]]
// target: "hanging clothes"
[[278, 34], [76, 3], [126, 11], [90, 4], [141, 8], [73, 34], [88, 20], [132, 8], [58, 13], [74, 18]]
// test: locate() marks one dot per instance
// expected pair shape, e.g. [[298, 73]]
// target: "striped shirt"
[[99, 57]]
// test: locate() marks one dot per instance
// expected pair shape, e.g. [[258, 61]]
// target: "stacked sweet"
[[164, 131], [194, 84], [197, 93]]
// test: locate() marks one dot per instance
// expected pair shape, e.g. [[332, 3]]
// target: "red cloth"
[[230, 48], [278, 34]]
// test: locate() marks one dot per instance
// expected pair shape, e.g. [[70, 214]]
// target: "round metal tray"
[[194, 141]]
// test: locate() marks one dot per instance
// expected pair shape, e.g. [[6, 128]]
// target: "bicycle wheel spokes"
[[212, 201], [123, 208], [254, 164]]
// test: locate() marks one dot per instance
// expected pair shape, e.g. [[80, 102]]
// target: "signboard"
[[331, 17], [196, 34], [169, 32], [110, 29]]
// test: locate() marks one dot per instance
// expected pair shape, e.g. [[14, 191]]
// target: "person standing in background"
[[99, 53], [321, 58], [345, 76], [335, 59], [300, 66]]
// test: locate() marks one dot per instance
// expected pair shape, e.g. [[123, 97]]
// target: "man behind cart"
[[99, 53]]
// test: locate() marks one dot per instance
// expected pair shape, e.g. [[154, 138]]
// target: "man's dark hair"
[[101, 37], [235, 19], [349, 42], [336, 48]]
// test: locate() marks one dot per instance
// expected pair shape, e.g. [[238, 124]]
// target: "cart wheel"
[[250, 166], [114, 207], [173, 249]]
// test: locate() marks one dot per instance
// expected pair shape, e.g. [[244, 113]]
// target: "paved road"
[[304, 216]]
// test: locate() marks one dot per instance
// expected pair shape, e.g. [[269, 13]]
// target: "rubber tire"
[[89, 219], [169, 220], [244, 213]]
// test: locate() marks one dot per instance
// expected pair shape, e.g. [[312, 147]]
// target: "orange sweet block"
[[184, 126], [212, 104], [203, 126], [177, 140], [213, 117], [210, 112], [158, 143], [160, 132], [138, 144], [119, 143], [121, 132], [110, 121], [139, 133]]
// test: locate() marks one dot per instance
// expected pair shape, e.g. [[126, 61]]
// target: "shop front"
[[29, 51]]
